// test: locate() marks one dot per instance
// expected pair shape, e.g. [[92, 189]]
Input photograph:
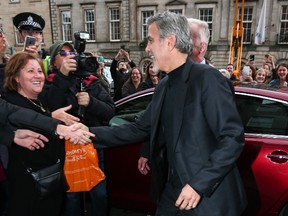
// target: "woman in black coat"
[[23, 83]]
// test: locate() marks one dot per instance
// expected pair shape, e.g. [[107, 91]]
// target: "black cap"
[[29, 20]]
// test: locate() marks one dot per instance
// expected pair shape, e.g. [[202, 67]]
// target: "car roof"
[[242, 88]]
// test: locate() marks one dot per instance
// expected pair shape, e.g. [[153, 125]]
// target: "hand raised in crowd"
[[76, 133], [155, 79], [29, 139], [31, 49], [188, 198], [68, 64], [126, 55], [3, 47], [83, 98], [65, 117], [143, 166]]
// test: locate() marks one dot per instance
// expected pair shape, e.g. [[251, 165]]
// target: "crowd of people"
[[44, 81]]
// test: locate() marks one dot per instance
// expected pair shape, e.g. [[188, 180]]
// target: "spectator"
[[119, 72], [230, 69], [133, 84], [31, 24], [281, 74], [268, 71], [3, 58], [260, 76], [200, 37], [23, 82], [193, 148], [93, 106], [246, 73], [268, 59], [151, 78], [102, 78]]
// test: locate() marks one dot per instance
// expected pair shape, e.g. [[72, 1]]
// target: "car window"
[[262, 115], [131, 110]]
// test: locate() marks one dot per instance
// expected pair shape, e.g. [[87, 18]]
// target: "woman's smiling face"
[[30, 79]]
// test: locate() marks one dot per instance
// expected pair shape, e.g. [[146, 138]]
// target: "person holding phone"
[[30, 27]]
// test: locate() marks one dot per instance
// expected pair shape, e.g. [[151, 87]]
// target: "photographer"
[[65, 88], [119, 71]]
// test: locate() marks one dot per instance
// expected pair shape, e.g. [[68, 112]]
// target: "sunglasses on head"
[[65, 53]]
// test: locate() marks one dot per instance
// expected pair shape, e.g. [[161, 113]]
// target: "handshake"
[[76, 133]]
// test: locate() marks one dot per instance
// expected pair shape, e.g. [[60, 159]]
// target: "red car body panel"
[[262, 164]]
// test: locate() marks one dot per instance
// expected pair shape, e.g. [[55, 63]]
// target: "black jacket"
[[119, 78]]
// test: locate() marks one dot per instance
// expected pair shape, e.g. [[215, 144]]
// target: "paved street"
[[121, 212]]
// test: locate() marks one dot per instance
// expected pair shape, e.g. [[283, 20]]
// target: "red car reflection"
[[263, 163]]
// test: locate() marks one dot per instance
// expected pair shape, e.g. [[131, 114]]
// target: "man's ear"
[[171, 41], [203, 47]]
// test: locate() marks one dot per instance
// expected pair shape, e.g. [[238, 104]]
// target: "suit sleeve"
[[25, 118], [123, 134]]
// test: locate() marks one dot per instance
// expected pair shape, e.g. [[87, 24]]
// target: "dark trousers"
[[99, 201], [166, 205]]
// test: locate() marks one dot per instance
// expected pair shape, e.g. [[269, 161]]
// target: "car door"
[[127, 187], [264, 161]]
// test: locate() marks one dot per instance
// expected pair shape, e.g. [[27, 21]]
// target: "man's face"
[[230, 69], [34, 33], [59, 58], [157, 48], [122, 66]]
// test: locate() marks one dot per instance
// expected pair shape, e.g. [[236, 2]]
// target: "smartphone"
[[252, 57], [246, 71], [122, 46], [29, 41]]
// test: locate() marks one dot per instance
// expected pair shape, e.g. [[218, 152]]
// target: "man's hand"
[[83, 98], [74, 133], [68, 64], [63, 116], [143, 166], [31, 49], [188, 198], [29, 139]]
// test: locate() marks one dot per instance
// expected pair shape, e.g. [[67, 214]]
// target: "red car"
[[263, 163]]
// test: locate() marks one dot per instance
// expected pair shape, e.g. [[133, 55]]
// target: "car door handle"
[[278, 156]]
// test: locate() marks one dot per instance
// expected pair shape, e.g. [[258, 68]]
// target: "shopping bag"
[[81, 167]]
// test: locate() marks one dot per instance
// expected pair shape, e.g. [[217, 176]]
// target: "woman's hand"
[[63, 116], [83, 98], [29, 139]]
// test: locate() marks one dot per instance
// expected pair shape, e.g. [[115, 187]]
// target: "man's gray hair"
[[169, 23], [203, 29]]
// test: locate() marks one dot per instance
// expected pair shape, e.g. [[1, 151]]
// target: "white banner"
[[260, 32]]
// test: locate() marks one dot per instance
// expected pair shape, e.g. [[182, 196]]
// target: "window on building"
[[206, 14], [247, 24], [177, 11], [66, 25], [90, 23], [144, 16], [114, 24], [283, 33]]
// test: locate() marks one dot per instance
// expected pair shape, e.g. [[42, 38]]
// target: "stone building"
[[112, 23]]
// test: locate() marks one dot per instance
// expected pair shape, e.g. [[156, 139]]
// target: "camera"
[[86, 65]]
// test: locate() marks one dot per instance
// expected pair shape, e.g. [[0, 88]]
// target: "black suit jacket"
[[207, 140]]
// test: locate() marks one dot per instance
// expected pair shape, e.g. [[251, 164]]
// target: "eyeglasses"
[[65, 53]]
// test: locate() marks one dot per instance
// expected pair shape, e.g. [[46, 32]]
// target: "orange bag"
[[81, 167]]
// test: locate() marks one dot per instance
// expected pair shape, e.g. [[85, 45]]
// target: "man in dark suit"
[[193, 125]]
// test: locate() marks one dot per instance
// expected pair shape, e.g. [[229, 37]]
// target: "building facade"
[[112, 23]]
